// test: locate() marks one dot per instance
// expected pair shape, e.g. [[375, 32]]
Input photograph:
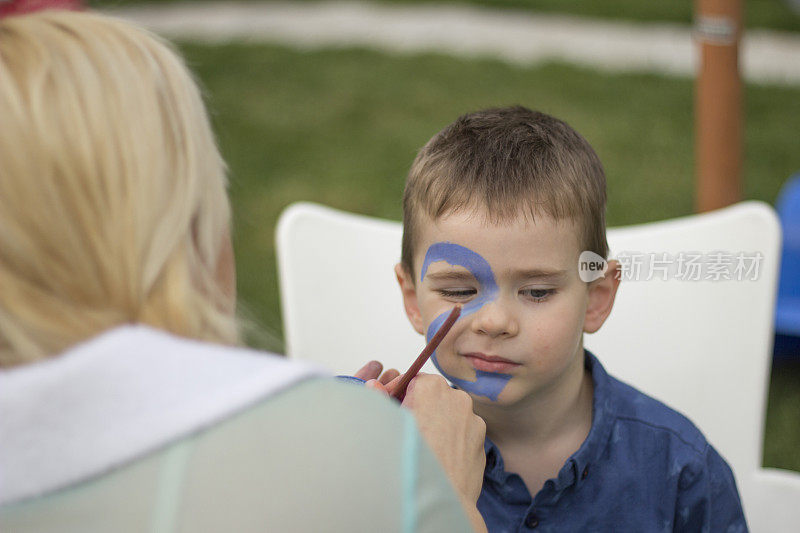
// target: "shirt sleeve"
[[708, 500]]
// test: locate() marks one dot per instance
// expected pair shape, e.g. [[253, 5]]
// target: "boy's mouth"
[[490, 363]]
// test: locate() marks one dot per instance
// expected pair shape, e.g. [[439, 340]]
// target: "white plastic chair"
[[702, 347]]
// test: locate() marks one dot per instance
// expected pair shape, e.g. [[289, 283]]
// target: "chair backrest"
[[341, 303], [701, 346]]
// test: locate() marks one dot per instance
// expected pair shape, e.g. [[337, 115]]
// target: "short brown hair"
[[512, 162]]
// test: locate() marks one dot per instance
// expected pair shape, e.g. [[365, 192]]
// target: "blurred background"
[[340, 124]]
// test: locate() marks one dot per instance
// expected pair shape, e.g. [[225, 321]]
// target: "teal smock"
[[304, 454]]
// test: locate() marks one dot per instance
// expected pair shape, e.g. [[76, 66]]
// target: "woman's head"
[[113, 206]]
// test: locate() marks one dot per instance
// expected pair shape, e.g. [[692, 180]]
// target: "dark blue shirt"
[[643, 467]]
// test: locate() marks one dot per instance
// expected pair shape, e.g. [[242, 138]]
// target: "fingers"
[[381, 386], [389, 375], [393, 384], [372, 370], [369, 371], [429, 385], [376, 385]]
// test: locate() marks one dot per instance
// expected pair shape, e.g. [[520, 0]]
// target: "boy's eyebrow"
[[450, 275], [530, 274], [539, 274]]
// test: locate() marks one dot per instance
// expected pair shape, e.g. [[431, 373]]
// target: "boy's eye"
[[457, 294], [537, 295]]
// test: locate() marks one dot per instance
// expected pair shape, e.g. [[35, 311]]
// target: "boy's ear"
[[409, 291], [601, 298]]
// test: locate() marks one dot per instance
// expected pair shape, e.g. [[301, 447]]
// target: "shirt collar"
[[118, 396], [577, 468]]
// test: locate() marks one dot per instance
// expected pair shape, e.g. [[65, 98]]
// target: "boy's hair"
[[113, 203], [509, 162]]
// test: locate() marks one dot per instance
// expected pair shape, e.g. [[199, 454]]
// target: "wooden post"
[[718, 103]]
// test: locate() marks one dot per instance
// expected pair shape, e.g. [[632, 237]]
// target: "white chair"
[[702, 347]]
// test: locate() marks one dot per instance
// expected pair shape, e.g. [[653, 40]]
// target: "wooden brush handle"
[[399, 391]]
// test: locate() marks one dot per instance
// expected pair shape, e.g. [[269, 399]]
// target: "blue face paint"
[[488, 384]]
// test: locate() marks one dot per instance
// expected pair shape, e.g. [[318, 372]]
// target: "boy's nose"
[[494, 320]]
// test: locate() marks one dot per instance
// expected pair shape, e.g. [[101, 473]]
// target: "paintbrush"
[[399, 391]]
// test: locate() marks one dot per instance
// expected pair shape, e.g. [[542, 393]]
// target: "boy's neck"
[[562, 410]]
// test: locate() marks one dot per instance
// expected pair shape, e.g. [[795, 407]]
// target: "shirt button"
[[531, 521], [585, 472]]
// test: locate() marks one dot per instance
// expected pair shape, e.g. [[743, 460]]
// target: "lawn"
[[341, 128], [772, 14]]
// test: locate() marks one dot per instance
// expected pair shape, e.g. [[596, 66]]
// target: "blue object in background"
[[787, 312]]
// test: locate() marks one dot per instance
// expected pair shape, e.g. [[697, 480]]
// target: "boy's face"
[[525, 307]]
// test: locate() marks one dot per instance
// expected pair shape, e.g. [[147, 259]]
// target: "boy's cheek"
[[452, 363], [445, 352], [431, 308]]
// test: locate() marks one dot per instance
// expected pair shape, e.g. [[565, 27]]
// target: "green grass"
[[782, 447], [772, 14], [341, 128]]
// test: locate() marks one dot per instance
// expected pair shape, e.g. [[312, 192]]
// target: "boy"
[[498, 207]]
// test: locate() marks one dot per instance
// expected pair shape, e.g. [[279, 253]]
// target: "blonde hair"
[[511, 162], [113, 202]]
